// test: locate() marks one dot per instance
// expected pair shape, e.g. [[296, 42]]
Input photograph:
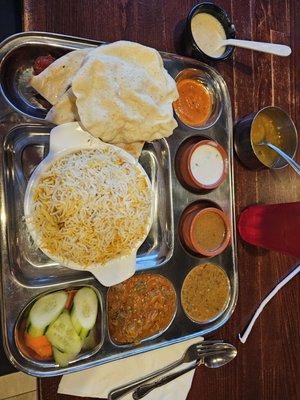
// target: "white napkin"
[[99, 381]]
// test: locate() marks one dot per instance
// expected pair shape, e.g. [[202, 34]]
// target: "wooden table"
[[266, 366]]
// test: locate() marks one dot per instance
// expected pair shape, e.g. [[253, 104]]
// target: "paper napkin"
[[99, 381]]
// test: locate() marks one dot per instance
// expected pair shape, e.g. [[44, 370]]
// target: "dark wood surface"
[[266, 366]]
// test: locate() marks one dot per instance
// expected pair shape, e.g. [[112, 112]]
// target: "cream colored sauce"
[[207, 164], [208, 33]]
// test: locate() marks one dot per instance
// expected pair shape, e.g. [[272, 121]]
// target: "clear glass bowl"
[[214, 90]]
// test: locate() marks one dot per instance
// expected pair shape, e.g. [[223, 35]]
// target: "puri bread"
[[53, 82], [135, 149], [124, 94], [64, 110]]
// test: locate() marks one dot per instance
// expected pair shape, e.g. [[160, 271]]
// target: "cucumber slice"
[[84, 333], [90, 342], [62, 335], [34, 331], [75, 322], [84, 311], [62, 359], [44, 311]]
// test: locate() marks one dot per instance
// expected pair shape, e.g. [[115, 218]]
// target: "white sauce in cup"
[[208, 33], [207, 164]]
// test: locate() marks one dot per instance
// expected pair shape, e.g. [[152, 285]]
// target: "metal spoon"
[[193, 353], [211, 361], [287, 158], [271, 48]]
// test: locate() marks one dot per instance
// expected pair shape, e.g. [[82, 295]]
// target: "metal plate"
[[26, 272], [24, 147]]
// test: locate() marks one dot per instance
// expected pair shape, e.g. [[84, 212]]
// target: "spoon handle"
[[143, 390], [287, 158], [277, 49]]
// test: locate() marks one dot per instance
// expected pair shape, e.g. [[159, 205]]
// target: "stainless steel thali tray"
[[26, 272]]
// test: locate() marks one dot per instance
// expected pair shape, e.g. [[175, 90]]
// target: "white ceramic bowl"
[[69, 138]]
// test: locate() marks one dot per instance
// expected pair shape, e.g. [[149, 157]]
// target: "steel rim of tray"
[[9, 282]]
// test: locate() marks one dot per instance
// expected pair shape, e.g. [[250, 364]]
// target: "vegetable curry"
[[140, 307]]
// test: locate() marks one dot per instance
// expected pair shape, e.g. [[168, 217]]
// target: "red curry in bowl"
[[140, 308]]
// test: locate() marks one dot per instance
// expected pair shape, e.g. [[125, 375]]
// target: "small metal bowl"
[[221, 311], [243, 142], [189, 44], [147, 338], [49, 364]]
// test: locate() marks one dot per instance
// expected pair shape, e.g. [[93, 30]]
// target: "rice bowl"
[[86, 208]]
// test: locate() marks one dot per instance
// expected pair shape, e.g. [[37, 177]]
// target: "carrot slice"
[[24, 349], [40, 345], [69, 303]]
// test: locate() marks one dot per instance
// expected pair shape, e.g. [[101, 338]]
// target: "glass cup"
[[213, 88], [275, 227]]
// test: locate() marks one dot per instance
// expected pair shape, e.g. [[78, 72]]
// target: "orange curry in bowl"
[[140, 307], [194, 105]]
